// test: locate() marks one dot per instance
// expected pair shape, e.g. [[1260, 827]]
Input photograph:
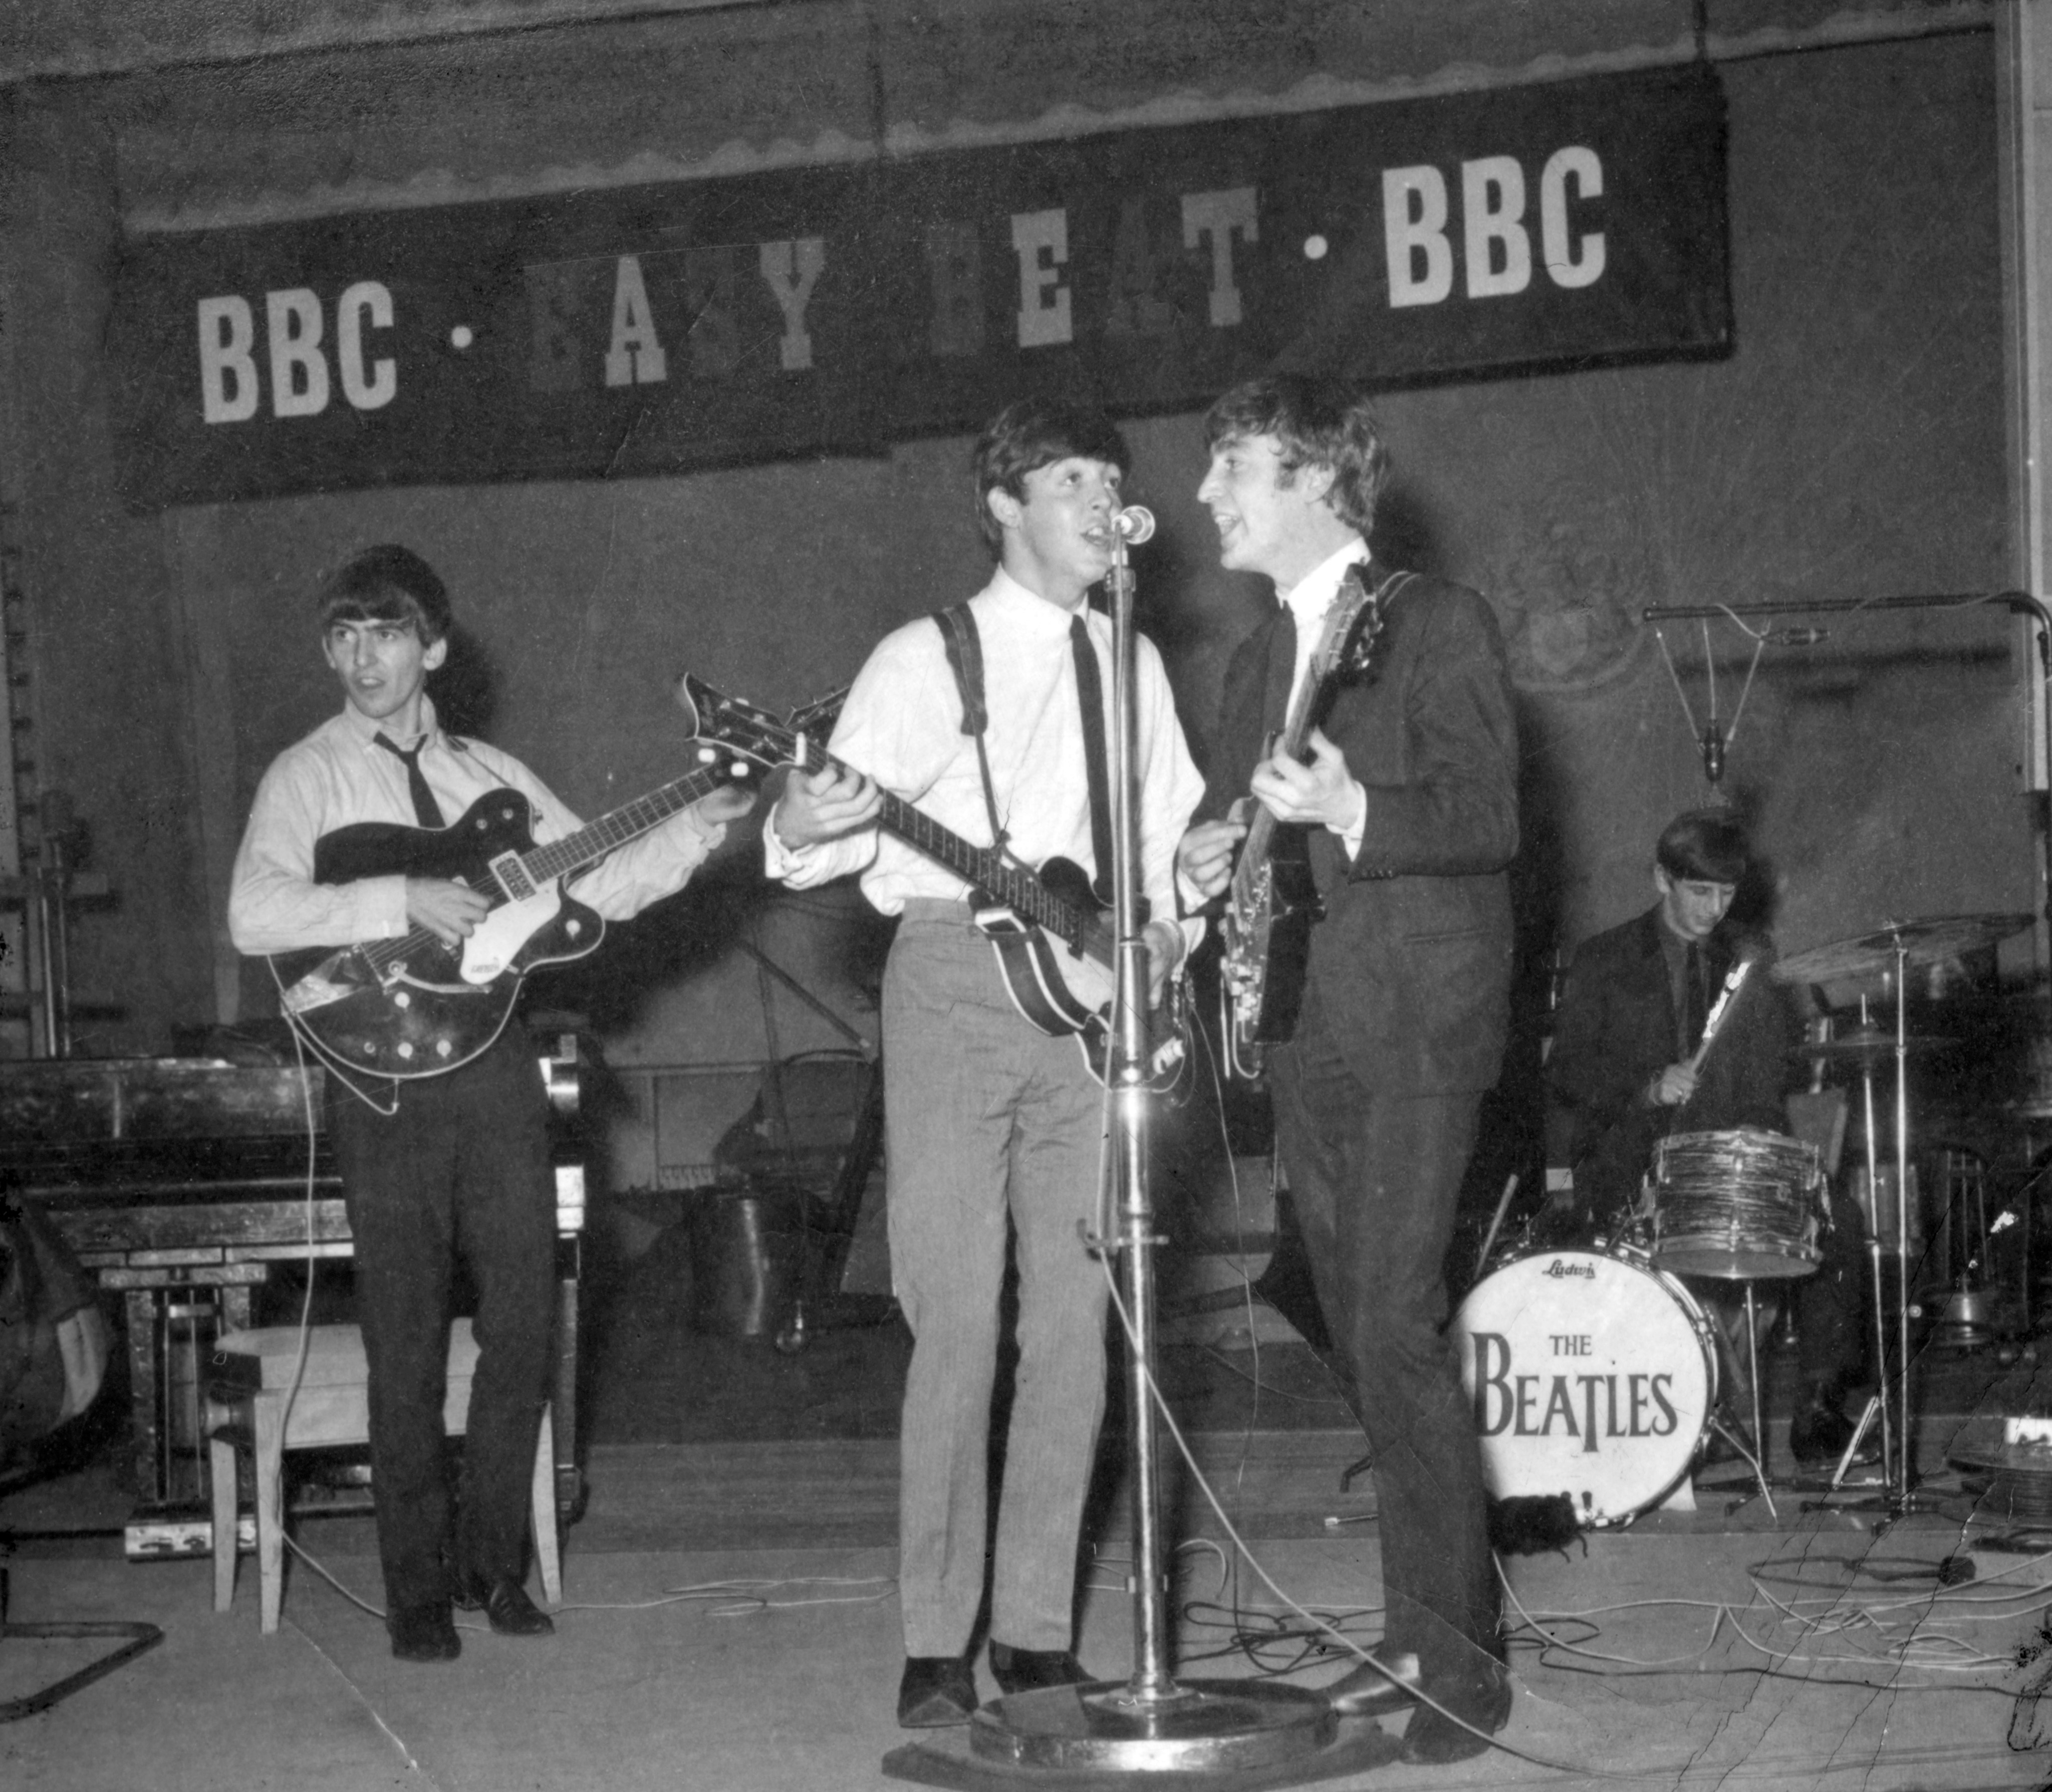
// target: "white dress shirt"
[[1307, 601], [338, 775], [901, 725]]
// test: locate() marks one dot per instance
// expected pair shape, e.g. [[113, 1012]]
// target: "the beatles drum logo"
[[1591, 1406], [1592, 1377]]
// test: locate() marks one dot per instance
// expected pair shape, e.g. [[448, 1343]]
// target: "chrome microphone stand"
[[1150, 1722]]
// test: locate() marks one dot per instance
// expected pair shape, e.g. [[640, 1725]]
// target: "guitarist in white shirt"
[[986, 1118], [447, 1166]]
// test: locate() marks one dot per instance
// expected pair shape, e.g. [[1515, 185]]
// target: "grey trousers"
[[986, 1118]]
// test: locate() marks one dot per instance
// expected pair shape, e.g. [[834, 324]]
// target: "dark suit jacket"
[[1410, 969], [1615, 1031]]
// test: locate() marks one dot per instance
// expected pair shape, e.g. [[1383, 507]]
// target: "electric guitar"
[[1272, 901], [416, 1007], [1055, 945]]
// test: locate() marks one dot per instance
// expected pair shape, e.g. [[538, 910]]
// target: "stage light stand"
[[1151, 1723]]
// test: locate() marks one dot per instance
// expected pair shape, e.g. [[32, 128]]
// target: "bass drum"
[[1591, 1374]]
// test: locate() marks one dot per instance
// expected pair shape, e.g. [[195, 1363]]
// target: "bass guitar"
[[1053, 943], [416, 1007], [1272, 901]]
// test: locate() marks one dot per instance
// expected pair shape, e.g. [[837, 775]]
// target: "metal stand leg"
[[1752, 1376]]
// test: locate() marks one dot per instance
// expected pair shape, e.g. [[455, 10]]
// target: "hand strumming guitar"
[[449, 910], [1204, 856]]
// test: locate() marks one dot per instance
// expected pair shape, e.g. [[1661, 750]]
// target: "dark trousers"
[[460, 1173], [1374, 1178]]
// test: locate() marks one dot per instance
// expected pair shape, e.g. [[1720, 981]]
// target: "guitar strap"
[[965, 651]]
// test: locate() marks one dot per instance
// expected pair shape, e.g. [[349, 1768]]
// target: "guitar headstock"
[[756, 733]]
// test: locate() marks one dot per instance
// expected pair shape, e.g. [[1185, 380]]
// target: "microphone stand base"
[[1199, 1727], [1211, 1735]]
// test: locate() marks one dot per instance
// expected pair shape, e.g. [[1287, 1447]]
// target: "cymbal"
[[1929, 941], [1865, 1045]]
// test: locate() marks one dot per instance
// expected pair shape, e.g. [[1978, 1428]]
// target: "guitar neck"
[[595, 839], [983, 867], [1261, 830]]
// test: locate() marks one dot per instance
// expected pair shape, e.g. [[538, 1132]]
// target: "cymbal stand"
[[1150, 1724], [1878, 1406], [1901, 1485]]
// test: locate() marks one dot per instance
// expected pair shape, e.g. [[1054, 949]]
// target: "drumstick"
[[1502, 1207], [1719, 1009]]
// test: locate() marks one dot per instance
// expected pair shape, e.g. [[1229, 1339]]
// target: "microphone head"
[[1134, 524]]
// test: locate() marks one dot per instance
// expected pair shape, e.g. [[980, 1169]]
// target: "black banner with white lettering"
[[655, 330]]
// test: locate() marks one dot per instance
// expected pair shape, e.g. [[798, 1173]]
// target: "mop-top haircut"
[[1316, 423], [1703, 846], [1031, 433], [388, 583]]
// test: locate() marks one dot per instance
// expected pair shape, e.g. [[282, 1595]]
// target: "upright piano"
[[182, 1181]]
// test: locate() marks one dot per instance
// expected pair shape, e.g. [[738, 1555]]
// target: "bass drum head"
[[1589, 1376]]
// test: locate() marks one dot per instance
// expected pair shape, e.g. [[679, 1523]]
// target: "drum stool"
[[254, 1401]]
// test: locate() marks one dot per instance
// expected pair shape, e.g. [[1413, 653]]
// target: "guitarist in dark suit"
[[993, 1127], [437, 1168], [1620, 1077], [1409, 804]]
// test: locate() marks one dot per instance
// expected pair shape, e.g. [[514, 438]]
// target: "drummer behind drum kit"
[[1594, 1374]]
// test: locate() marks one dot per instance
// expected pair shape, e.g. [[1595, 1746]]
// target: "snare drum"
[[1742, 1204], [1592, 1375]]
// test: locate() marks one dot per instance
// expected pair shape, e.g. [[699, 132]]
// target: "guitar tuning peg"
[[740, 769]]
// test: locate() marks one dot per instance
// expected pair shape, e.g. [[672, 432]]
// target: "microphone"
[[1134, 524]]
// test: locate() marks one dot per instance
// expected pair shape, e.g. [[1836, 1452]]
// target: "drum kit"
[[1594, 1373]]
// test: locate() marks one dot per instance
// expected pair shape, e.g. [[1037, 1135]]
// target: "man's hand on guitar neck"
[[448, 910], [729, 802], [1323, 792], [824, 804]]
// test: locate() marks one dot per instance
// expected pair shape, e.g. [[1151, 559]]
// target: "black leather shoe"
[[1375, 1688], [935, 1690], [1028, 1670], [1818, 1436], [423, 1633], [505, 1604], [1431, 1738]]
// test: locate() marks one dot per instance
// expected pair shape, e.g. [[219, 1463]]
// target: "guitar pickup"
[[512, 877]]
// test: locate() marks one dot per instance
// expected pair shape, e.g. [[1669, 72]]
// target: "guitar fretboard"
[[988, 870], [572, 852], [1346, 605], [595, 839]]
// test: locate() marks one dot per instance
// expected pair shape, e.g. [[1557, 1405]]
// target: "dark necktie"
[[1695, 998], [1090, 699], [1281, 674], [427, 812]]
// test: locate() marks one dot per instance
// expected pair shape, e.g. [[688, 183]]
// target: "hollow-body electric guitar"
[[416, 1007], [1053, 938], [1272, 901]]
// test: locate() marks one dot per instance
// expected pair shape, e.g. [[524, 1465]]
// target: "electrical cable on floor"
[[744, 1598], [1345, 1643], [1919, 1649]]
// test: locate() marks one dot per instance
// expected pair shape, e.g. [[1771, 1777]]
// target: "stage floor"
[[730, 1620]]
